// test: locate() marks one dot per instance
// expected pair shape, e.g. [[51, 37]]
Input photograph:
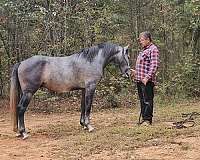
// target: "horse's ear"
[[125, 48]]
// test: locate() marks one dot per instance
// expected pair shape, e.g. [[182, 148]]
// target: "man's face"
[[144, 41]]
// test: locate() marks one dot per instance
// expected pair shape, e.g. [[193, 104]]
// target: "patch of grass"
[[185, 147]]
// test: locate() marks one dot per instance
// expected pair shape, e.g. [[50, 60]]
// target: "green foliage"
[[193, 10], [57, 28], [115, 90], [185, 78]]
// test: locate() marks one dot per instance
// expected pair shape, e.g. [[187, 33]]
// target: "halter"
[[123, 54]]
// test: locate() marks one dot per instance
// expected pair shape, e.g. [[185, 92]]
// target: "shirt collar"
[[146, 47]]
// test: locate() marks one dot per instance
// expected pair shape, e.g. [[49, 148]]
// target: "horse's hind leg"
[[22, 106]]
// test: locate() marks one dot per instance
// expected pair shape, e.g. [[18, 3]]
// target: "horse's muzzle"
[[127, 74]]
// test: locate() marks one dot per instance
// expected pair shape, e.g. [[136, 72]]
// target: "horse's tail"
[[15, 91]]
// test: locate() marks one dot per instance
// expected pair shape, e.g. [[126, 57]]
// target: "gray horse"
[[79, 71]]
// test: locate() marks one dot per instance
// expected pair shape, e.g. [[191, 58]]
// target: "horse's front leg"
[[82, 119], [89, 94], [22, 106]]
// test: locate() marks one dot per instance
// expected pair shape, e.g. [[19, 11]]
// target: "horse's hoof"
[[90, 128], [25, 135], [18, 135], [85, 127]]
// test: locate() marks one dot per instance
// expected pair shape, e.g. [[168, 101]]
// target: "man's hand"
[[145, 81], [132, 73]]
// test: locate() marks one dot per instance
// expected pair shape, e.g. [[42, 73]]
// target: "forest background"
[[61, 27]]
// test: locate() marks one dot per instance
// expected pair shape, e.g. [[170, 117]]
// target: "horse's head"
[[122, 59]]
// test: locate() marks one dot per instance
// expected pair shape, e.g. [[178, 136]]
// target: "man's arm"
[[154, 62]]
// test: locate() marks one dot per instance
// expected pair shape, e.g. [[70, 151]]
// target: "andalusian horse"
[[81, 70]]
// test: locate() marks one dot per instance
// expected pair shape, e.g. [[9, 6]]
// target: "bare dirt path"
[[185, 148], [38, 146]]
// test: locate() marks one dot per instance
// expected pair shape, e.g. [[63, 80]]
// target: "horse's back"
[[57, 73]]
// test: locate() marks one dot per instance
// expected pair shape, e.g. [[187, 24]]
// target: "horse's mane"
[[109, 49]]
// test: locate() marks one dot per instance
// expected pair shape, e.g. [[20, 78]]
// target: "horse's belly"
[[61, 87]]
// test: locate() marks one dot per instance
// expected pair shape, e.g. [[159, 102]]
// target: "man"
[[144, 75]]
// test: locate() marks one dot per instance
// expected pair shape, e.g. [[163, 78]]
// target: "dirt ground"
[[49, 140]]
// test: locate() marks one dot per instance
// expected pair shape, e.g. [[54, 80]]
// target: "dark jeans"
[[146, 95]]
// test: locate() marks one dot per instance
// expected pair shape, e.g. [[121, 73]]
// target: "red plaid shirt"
[[147, 63]]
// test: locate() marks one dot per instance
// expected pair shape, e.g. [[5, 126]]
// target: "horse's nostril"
[[128, 72], [125, 75]]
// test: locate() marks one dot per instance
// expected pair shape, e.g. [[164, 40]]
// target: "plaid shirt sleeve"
[[154, 62]]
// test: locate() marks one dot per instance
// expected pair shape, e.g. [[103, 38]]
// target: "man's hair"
[[146, 34]]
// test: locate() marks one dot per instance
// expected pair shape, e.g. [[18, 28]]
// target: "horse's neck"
[[108, 59]]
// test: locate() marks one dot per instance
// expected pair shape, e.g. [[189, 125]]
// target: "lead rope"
[[189, 118]]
